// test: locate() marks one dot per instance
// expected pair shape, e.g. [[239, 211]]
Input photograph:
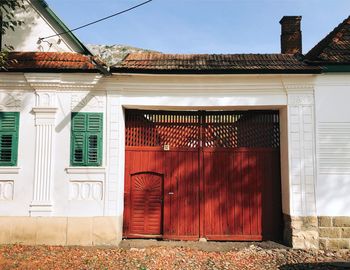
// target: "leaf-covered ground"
[[252, 257]]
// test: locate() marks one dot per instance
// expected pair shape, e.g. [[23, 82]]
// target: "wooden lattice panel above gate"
[[155, 128], [202, 129], [241, 129]]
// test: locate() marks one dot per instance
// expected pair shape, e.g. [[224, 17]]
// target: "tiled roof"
[[334, 48], [213, 63], [49, 61]]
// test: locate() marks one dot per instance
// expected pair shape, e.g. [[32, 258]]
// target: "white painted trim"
[[49, 110], [9, 170], [85, 170]]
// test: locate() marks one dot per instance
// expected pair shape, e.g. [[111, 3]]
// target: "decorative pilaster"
[[45, 116], [302, 153], [302, 225]]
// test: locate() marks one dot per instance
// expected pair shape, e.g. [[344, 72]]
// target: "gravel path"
[[162, 257]]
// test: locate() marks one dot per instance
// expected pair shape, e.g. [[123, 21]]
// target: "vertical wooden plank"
[[201, 138], [222, 187], [126, 216], [254, 193], [213, 198], [245, 193], [227, 203], [231, 194], [197, 205], [202, 193], [186, 182], [206, 195], [166, 201], [259, 185], [217, 195], [176, 191], [171, 162]]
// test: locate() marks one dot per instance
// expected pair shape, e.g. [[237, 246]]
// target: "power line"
[[97, 21]]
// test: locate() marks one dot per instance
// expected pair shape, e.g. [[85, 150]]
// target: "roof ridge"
[[207, 54]]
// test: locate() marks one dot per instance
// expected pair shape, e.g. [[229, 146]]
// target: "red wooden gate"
[[219, 173]]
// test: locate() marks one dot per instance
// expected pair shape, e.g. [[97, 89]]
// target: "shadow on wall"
[[24, 31], [86, 99], [320, 266], [27, 35]]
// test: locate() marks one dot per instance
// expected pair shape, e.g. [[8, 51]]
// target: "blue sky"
[[201, 26]]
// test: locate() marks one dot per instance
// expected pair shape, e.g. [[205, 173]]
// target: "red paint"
[[213, 182], [146, 197]]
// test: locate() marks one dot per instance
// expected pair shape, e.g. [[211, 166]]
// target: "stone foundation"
[[334, 232], [80, 231], [317, 232], [301, 232]]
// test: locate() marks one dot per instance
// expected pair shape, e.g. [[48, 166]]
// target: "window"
[[9, 123], [86, 139]]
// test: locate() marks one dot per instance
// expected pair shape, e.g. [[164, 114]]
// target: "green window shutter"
[[79, 122], [86, 139], [78, 149], [94, 139], [94, 153], [94, 122], [9, 126]]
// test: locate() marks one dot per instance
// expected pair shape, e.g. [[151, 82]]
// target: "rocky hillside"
[[113, 54]]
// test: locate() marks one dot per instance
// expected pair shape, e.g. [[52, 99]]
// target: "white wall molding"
[[90, 101], [45, 117], [11, 101], [301, 140], [9, 170], [45, 99], [86, 190], [300, 99], [114, 198], [14, 82], [85, 170], [6, 190], [55, 81]]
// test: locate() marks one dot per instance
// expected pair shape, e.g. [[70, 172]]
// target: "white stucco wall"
[[77, 191], [332, 95], [19, 178], [37, 24], [49, 99]]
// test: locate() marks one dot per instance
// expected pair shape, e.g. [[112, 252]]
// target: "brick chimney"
[[291, 42]]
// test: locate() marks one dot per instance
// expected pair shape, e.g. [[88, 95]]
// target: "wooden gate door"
[[164, 144], [242, 197], [204, 174], [146, 196]]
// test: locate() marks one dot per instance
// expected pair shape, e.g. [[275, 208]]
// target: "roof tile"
[[49, 61], [334, 48], [146, 62]]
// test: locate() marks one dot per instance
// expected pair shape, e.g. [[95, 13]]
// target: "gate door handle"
[[171, 193]]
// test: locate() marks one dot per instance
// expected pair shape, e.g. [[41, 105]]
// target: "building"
[[222, 147]]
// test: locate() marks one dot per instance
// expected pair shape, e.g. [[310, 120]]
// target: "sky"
[[200, 26]]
